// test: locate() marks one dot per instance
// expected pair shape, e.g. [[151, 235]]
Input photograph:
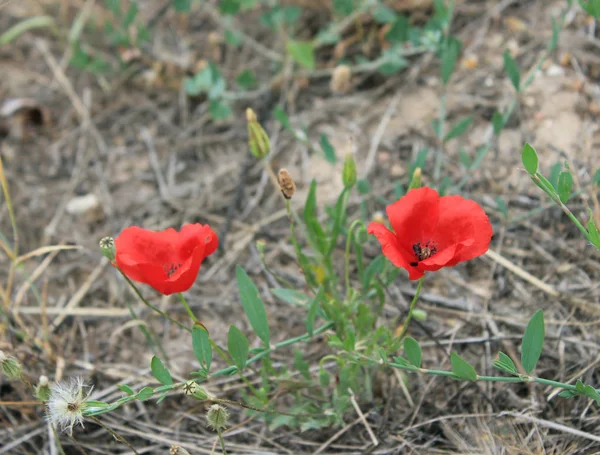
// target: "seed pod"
[[217, 417], [107, 246], [286, 183], [258, 140], [341, 79]]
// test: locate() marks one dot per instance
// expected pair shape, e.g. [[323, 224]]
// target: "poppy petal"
[[390, 247], [462, 223], [168, 260], [415, 215]]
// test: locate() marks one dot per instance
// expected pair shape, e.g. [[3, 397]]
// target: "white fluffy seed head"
[[67, 402]]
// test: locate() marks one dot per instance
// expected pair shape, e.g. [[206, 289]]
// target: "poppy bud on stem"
[[415, 181], [258, 140]]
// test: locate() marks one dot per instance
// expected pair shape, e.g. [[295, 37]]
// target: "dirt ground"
[[104, 153]]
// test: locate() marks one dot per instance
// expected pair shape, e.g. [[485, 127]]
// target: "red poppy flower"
[[431, 232], [168, 260]]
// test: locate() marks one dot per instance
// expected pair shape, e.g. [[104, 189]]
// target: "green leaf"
[[594, 235], [130, 15], [312, 311], [565, 183], [202, 347], [530, 159], [596, 178], [343, 7], [246, 79], [402, 361], [398, 32], [588, 391], [384, 14], [450, 51], [567, 394], [160, 372], [459, 128], [363, 186], [505, 363], [533, 341], [280, 115], [238, 346], [230, 7], [253, 305], [556, 26], [219, 110], [554, 175], [328, 149], [592, 7], [464, 158], [232, 38], [145, 393], [412, 350], [126, 389], [393, 60], [303, 53], [291, 296], [182, 6], [462, 369], [316, 234], [512, 70], [502, 206], [497, 122]]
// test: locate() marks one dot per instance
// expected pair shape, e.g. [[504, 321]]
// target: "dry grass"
[[152, 157]]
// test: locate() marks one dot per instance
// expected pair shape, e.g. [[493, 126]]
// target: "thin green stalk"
[[187, 307], [151, 337], [299, 256], [152, 307], [222, 441], [224, 372], [347, 255], [411, 309]]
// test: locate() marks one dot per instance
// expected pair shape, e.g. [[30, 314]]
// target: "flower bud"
[[192, 389], [107, 246], [415, 182], [378, 217], [258, 140], [341, 79], [42, 390], [286, 183], [178, 450], [349, 171], [10, 366], [217, 417]]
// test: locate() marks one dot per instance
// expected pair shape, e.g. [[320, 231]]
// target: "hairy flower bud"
[[258, 140], [178, 450], [217, 417], [42, 389], [10, 366]]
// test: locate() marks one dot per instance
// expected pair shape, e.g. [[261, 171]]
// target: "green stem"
[[411, 309], [152, 307], [224, 372], [222, 441], [187, 307], [354, 224], [437, 170]]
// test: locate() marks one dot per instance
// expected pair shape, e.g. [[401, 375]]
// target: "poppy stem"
[[149, 305], [410, 310], [187, 307], [354, 224]]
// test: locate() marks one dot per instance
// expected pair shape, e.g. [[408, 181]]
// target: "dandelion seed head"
[[67, 402]]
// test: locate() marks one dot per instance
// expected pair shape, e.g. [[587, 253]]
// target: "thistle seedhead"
[[67, 402]]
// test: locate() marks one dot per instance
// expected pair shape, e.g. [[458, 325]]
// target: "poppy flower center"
[[170, 270], [423, 252]]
